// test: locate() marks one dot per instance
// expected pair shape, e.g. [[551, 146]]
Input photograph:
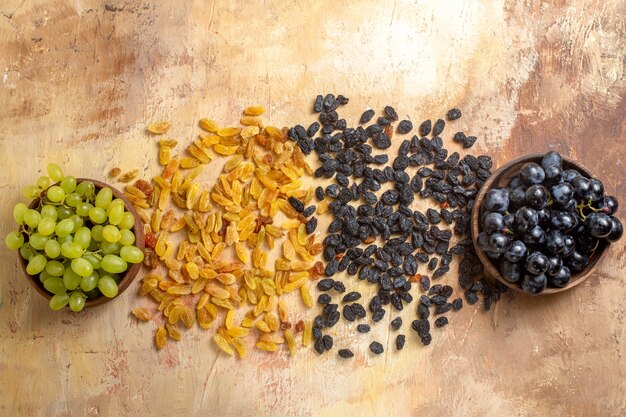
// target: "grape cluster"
[[545, 225], [77, 240]]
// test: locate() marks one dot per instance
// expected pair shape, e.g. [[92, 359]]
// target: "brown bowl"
[[130, 274], [499, 179]]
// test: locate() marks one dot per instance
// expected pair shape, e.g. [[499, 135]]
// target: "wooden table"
[[80, 80]]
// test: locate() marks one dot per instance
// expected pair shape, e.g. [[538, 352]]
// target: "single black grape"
[[577, 261], [537, 263], [525, 219], [561, 278], [498, 242], [555, 263], [493, 222], [537, 196], [534, 284], [496, 200], [562, 193], [598, 225], [617, 230], [516, 251], [550, 159], [608, 204], [531, 173], [555, 241], [511, 272]]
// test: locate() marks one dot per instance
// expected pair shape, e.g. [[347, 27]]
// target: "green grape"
[[82, 267], [38, 241], [46, 226], [68, 184], [77, 301], [32, 217], [116, 214], [78, 222], [43, 182], [64, 227], [104, 197], [114, 264], [71, 280], [73, 199], [55, 268], [83, 237], [89, 282], [18, 212], [128, 221], [55, 194], [55, 172], [86, 189], [83, 209], [55, 285], [14, 240], [127, 237], [93, 246], [26, 251], [36, 264], [49, 212], [111, 233], [94, 259], [52, 249], [131, 254], [96, 233], [116, 278], [43, 276], [71, 250], [64, 212], [59, 301], [97, 215], [30, 191], [109, 248], [107, 286], [65, 239]]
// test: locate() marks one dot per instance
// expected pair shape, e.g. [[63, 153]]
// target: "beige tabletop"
[[81, 79]]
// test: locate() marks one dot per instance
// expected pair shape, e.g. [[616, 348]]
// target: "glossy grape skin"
[[534, 284], [569, 174], [537, 263], [597, 189], [555, 241], [585, 244], [108, 286], [617, 230], [14, 240], [18, 212], [55, 172], [531, 173], [515, 183], [608, 204], [554, 175], [511, 272], [127, 237], [32, 218], [496, 200], [97, 215], [55, 194], [114, 264], [551, 159], [36, 264], [128, 221], [68, 184], [561, 278], [82, 267], [83, 237], [104, 197], [493, 222], [517, 197], [26, 251], [537, 196], [89, 282], [94, 259], [509, 221], [577, 261], [55, 268], [49, 211], [569, 246], [30, 191], [76, 301], [38, 241], [43, 182], [498, 243], [563, 221], [111, 233], [71, 279], [543, 216], [525, 219], [598, 225], [46, 226], [71, 250], [109, 248], [86, 189], [58, 301], [116, 214], [516, 251], [131, 254], [535, 236], [562, 193], [55, 285], [582, 188], [554, 265]]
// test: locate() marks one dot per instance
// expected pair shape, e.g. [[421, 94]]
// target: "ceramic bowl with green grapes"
[[80, 240]]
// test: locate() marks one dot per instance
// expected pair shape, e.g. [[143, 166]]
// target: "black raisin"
[[363, 328], [351, 296], [425, 127], [396, 323], [404, 127], [367, 116], [378, 315], [345, 353], [454, 114], [457, 304], [328, 342], [391, 113], [296, 204], [325, 284], [319, 345], [438, 127], [348, 314], [317, 107], [311, 225], [324, 299], [441, 321], [376, 348]]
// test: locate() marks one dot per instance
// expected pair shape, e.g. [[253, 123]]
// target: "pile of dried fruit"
[[375, 233], [209, 247]]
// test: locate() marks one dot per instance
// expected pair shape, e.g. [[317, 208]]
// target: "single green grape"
[[127, 237], [82, 267], [65, 239], [109, 248], [71, 250], [131, 254], [83, 237], [97, 215], [96, 233], [55, 285], [55, 194], [43, 182], [73, 199], [82, 209], [49, 212], [94, 259], [14, 240], [89, 282], [128, 221], [64, 212], [18, 212], [36, 264], [113, 264], [71, 280], [107, 286], [32, 218], [78, 222], [38, 241], [111, 233], [52, 248], [116, 214], [68, 184], [30, 191], [77, 301], [55, 172], [26, 251], [86, 189], [64, 227], [104, 197], [46, 226], [43, 276], [59, 301], [55, 268]]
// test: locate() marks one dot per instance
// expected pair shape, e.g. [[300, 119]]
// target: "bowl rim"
[[130, 274], [489, 266]]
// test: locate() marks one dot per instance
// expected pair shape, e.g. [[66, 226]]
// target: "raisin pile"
[[375, 236]]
